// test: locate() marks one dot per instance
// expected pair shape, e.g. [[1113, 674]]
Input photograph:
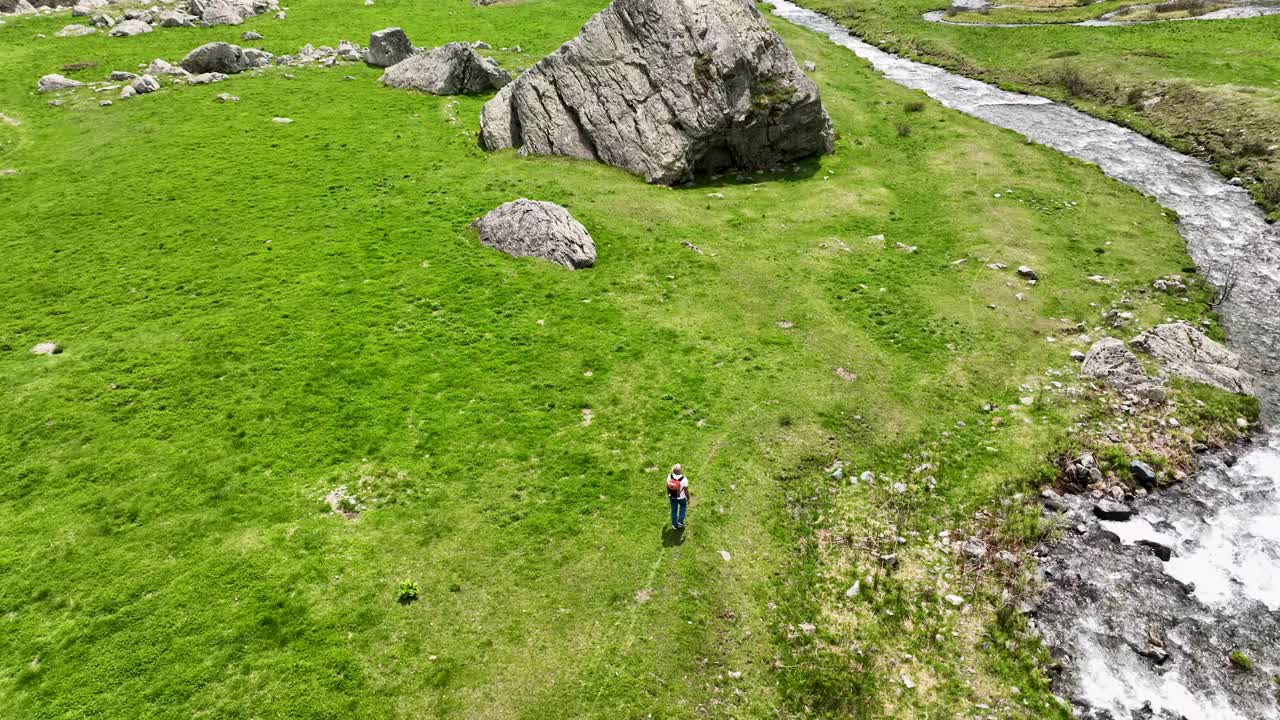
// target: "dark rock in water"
[[532, 228], [388, 47], [1161, 550], [666, 89], [1112, 510], [453, 69], [1142, 472]]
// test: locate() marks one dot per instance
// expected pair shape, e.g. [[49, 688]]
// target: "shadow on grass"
[[672, 537]]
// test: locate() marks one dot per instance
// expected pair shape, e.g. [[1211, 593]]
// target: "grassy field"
[[1209, 88], [253, 314]]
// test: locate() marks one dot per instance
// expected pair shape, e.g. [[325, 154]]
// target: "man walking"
[[678, 494]]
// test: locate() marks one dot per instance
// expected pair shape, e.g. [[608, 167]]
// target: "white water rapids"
[[1224, 526]]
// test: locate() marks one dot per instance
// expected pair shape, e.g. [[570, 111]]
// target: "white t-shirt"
[[684, 485]]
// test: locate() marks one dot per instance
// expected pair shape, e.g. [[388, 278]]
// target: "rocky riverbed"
[[1137, 636]]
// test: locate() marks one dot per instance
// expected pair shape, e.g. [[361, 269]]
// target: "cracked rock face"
[[1191, 354], [388, 47], [666, 89], [452, 69], [1110, 361], [533, 228]]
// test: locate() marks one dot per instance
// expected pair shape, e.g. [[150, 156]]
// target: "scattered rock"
[[207, 78], [845, 375], [104, 103], [810, 66], [1077, 356], [1028, 273], [174, 19], [1142, 472], [481, 45], [1191, 354], [250, 35], [955, 600], [533, 228], [75, 31], [666, 89], [145, 84], [451, 69], [725, 555], [388, 47], [227, 98], [129, 28], [127, 92], [47, 348], [54, 82], [281, 120], [122, 76], [1112, 510]]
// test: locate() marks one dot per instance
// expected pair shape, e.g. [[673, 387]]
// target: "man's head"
[[677, 470]]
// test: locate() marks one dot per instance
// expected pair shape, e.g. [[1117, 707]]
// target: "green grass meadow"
[[253, 314]]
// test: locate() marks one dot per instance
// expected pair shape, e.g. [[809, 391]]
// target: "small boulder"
[[1159, 549], [1142, 472], [1191, 354], [206, 78], [532, 228], [102, 20], [221, 12], [216, 57], [54, 82], [250, 35], [127, 92], [1112, 510], [121, 76], [173, 19], [46, 348], [75, 31], [1027, 273], [145, 84], [453, 69], [227, 98], [388, 47], [129, 28]]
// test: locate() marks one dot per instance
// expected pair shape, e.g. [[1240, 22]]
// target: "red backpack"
[[673, 486]]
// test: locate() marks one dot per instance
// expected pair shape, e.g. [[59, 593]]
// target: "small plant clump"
[[904, 130], [406, 592], [914, 106], [1241, 660]]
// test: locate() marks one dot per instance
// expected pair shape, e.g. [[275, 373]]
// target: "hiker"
[[678, 494]]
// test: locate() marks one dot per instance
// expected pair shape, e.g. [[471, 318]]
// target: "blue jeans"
[[678, 508]]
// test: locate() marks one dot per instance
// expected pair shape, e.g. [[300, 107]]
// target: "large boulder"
[[452, 69], [388, 47], [174, 18], [217, 57], [1113, 363], [51, 83], [223, 13], [667, 89], [1189, 353], [129, 28], [532, 228]]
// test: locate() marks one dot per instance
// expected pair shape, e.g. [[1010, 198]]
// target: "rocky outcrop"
[[1110, 361], [388, 47], [666, 89], [225, 58], [145, 84], [1189, 353], [532, 228], [453, 69], [173, 18]]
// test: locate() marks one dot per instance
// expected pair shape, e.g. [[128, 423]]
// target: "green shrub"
[[1241, 660], [406, 592], [904, 130], [914, 106]]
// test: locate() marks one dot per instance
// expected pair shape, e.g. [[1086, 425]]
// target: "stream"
[[1115, 18], [1136, 636]]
